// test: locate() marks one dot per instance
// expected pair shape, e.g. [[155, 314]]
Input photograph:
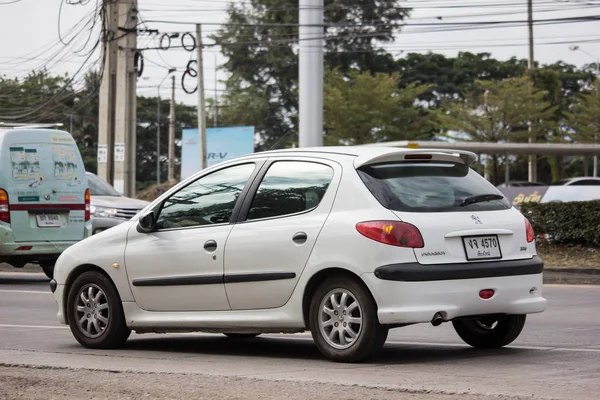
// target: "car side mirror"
[[147, 223]]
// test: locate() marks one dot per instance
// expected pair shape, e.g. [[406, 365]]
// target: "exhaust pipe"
[[437, 319]]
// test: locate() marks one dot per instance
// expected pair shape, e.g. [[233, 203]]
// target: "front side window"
[[431, 187], [207, 201], [290, 187]]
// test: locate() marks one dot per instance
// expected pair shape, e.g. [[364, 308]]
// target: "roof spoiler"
[[398, 155], [30, 125]]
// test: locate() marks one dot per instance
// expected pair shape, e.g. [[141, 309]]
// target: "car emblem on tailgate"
[[476, 219]]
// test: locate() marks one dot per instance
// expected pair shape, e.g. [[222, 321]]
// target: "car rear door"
[[279, 224], [47, 194]]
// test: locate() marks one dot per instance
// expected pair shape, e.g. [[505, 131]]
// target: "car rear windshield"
[[429, 186]]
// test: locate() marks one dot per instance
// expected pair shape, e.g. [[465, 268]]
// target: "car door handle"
[[300, 238], [210, 246]]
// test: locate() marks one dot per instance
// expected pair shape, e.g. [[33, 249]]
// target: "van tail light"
[[529, 230], [4, 207], [87, 204], [394, 233]]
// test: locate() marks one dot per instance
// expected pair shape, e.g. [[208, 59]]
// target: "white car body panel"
[[334, 243], [443, 235], [177, 252]]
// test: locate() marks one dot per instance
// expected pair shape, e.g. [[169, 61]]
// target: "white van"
[[44, 196]]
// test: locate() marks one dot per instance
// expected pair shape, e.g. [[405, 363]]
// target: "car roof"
[[365, 154]]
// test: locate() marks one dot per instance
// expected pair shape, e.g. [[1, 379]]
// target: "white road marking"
[[34, 326], [25, 291]]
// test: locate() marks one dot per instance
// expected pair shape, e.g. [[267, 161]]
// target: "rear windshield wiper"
[[478, 198]]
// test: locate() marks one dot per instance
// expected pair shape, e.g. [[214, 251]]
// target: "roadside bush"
[[576, 222]]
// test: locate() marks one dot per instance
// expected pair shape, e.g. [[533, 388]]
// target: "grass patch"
[[562, 255]]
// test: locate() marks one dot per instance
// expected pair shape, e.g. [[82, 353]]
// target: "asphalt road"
[[556, 357]]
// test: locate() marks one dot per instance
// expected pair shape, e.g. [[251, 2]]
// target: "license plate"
[[482, 247], [48, 220]]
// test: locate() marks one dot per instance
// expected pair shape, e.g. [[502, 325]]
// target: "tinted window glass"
[[290, 187], [429, 187], [100, 188], [209, 200], [587, 182]]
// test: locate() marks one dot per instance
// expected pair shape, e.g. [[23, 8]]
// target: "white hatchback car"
[[346, 242]]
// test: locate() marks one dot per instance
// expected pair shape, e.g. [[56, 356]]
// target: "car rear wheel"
[[343, 321], [489, 332], [95, 312], [241, 335]]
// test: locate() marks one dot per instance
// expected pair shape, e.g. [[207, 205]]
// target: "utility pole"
[[108, 88], [532, 170], [201, 102], [216, 118], [171, 170], [311, 73], [117, 114]]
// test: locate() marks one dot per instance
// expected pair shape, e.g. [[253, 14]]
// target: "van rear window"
[[429, 186]]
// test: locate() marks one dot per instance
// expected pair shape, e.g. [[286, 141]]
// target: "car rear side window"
[[290, 187], [429, 186], [206, 201]]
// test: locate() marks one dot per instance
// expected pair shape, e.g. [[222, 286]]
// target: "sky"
[[30, 35]]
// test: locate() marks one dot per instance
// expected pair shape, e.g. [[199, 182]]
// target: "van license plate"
[[48, 220], [482, 247]]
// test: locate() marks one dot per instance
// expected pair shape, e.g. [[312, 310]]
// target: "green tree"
[[260, 42], [363, 108], [497, 112], [584, 119]]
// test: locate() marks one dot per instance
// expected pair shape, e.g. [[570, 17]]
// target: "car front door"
[[269, 247], [179, 266]]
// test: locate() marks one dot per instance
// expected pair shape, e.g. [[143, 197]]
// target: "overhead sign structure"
[[222, 144]]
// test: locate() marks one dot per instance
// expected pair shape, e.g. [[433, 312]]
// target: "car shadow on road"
[[304, 349]]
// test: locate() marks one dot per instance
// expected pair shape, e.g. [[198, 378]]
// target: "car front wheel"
[[343, 321], [491, 331], [95, 312]]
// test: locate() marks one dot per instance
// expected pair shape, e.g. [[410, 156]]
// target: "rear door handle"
[[300, 238], [210, 246]]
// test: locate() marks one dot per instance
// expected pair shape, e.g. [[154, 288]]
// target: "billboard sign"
[[222, 144]]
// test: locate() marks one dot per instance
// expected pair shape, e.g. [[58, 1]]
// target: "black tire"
[[241, 335], [481, 333], [371, 335], [115, 332], [48, 269]]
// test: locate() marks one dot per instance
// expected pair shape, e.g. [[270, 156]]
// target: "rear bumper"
[[37, 249], [410, 298], [415, 272]]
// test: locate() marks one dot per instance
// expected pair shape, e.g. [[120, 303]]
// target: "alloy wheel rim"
[[92, 311], [340, 318]]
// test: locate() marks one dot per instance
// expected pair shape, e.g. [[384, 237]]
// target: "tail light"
[[529, 230], [4, 207], [87, 204], [394, 233]]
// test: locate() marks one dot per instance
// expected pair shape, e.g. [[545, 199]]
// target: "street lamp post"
[[577, 48], [169, 72]]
